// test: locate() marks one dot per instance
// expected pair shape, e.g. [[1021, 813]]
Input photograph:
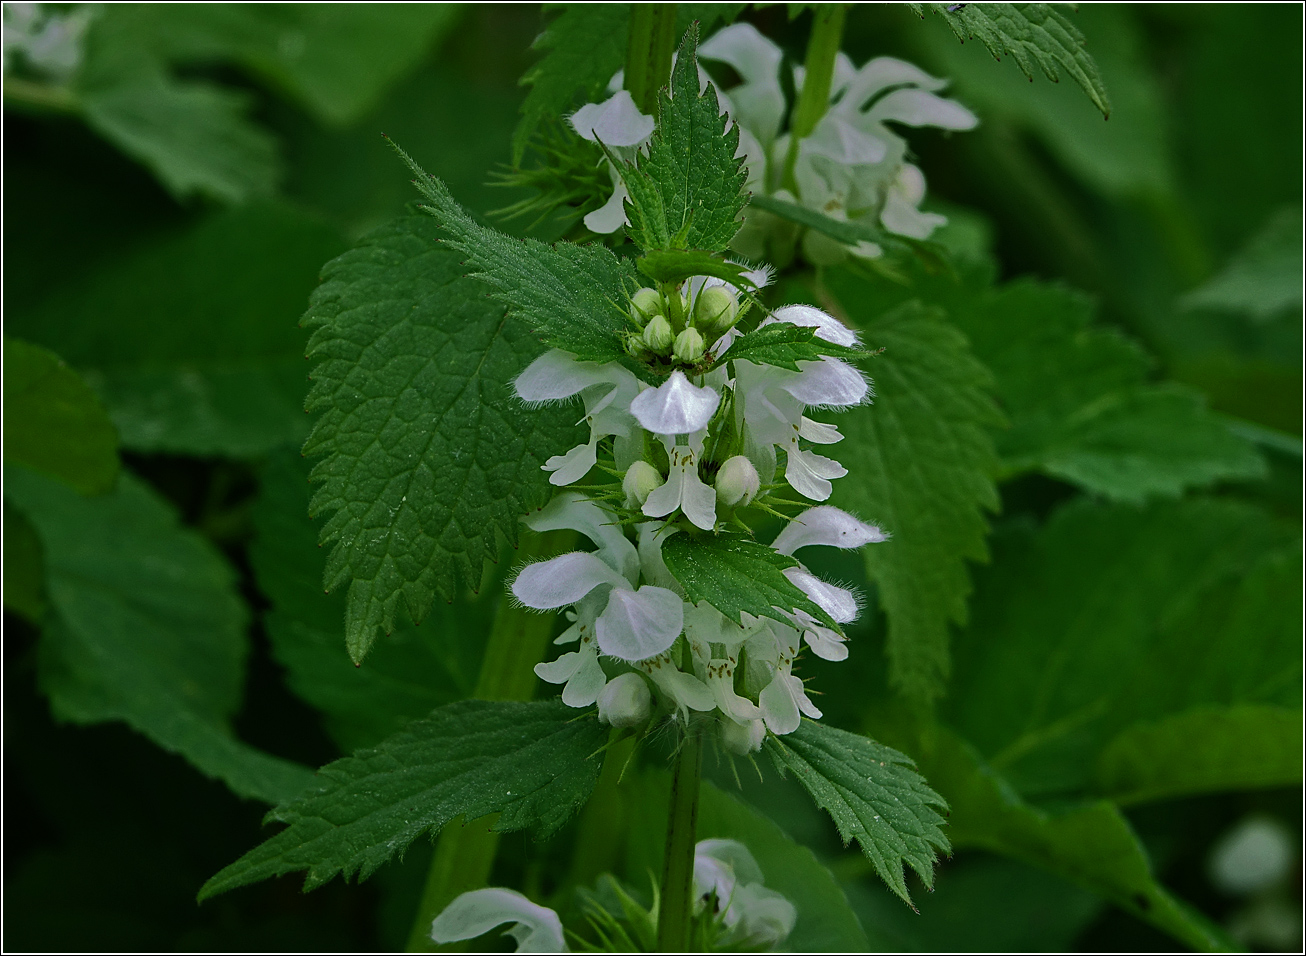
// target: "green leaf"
[[534, 764], [53, 422], [192, 341], [931, 254], [874, 795], [920, 462], [677, 265], [1203, 750], [736, 574], [1091, 845], [1030, 33], [1264, 279], [572, 295], [690, 167], [785, 345], [24, 567], [144, 625], [407, 674], [1111, 615], [825, 923], [430, 457]]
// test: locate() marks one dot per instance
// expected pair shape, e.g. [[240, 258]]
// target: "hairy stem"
[[464, 853], [814, 100], [678, 866], [649, 47]]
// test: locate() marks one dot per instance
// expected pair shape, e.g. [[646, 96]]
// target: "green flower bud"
[[625, 701], [716, 309], [658, 335], [737, 482], [689, 346], [640, 480], [645, 304]]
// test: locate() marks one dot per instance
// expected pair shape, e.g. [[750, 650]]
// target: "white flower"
[[758, 103], [618, 124], [829, 526], [625, 702], [675, 407], [755, 915], [572, 510], [536, 928], [633, 625], [743, 739], [685, 691], [684, 490]]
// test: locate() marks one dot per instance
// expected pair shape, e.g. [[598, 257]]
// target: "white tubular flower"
[[536, 928], [625, 702], [721, 681], [761, 916], [684, 490], [809, 317], [606, 390], [756, 915], [580, 669], [757, 104], [900, 214], [839, 603], [737, 482], [572, 510], [783, 700], [638, 483], [675, 407], [634, 624], [685, 691], [618, 124], [829, 526], [743, 739]]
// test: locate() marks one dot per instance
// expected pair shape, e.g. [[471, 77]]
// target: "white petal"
[[809, 473], [761, 916], [829, 526], [556, 375], [839, 603], [611, 216], [721, 681], [574, 511], [780, 705], [561, 670], [685, 690], [901, 216], [723, 858], [640, 624], [826, 325], [829, 382], [616, 121], [675, 407], [883, 72], [538, 929], [920, 108], [665, 498], [818, 432], [826, 644], [587, 683], [651, 536], [754, 57], [548, 585], [837, 139], [626, 701], [573, 466], [698, 500]]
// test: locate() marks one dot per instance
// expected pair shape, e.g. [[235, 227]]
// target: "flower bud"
[[658, 335], [689, 346], [641, 478], [741, 739], [625, 701], [645, 304], [715, 309], [737, 482]]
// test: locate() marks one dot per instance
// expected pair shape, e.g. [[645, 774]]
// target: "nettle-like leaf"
[[191, 341], [54, 423], [409, 672], [145, 625], [688, 191], [920, 464], [784, 345], [874, 795], [1109, 617], [735, 574], [1031, 33], [430, 457], [677, 265], [572, 295], [534, 764]]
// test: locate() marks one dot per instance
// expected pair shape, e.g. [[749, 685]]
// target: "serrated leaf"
[[534, 764], [1111, 615], [677, 265], [920, 462], [145, 625], [430, 457], [1091, 844], [785, 345], [54, 423], [192, 341], [735, 575], [407, 674], [874, 795], [572, 295], [1031, 33], [690, 164]]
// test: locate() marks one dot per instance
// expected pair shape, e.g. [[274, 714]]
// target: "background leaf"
[[430, 458], [532, 763], [145, 626], [53, 422]]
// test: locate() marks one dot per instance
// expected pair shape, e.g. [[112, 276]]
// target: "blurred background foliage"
[[169, 201]]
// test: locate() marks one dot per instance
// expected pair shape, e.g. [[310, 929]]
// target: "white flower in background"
[[618, 124], [48, 39], [536, 928], [755, 917], [853, 166]]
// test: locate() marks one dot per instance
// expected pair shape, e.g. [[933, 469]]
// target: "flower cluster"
[[693, 454], [728, 892]]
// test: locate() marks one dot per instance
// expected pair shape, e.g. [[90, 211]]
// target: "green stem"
[[814, 100], [676, 900], [649, 47], [464, 853]]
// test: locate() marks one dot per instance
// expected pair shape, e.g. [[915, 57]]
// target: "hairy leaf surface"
[[874, 795], [145, 626], [785, 345], [534, 764], [430, 457]]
